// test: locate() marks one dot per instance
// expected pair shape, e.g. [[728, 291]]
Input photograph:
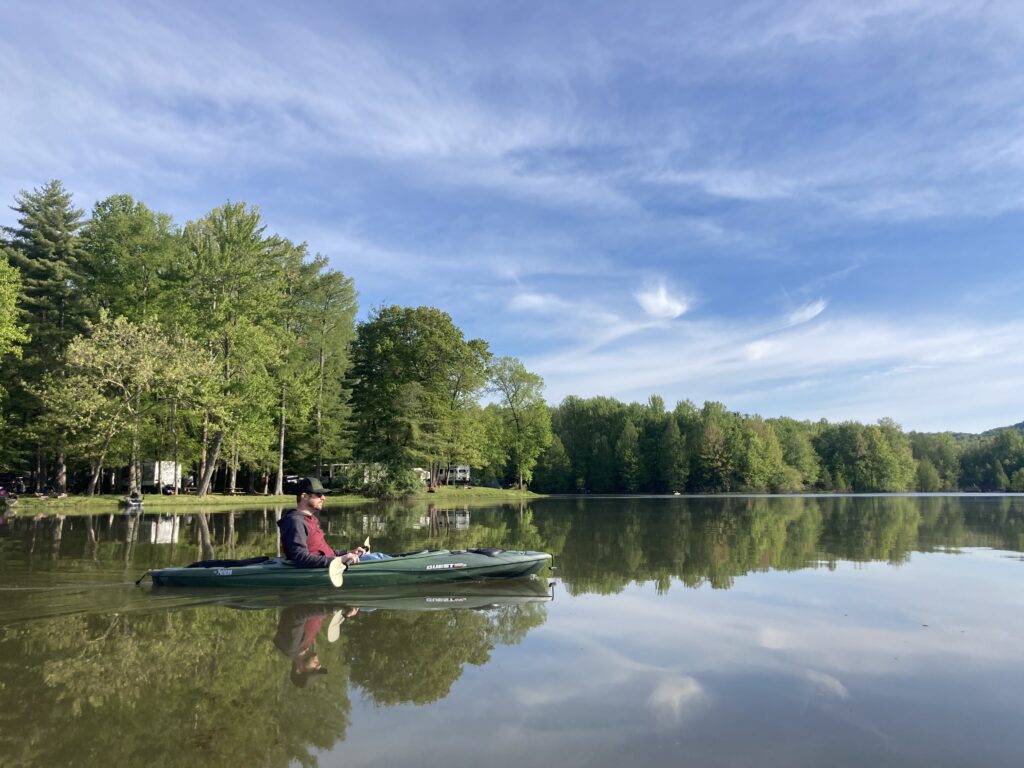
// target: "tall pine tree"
[[46, 248]]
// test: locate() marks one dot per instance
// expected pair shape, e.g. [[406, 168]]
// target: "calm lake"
[[817, 631]]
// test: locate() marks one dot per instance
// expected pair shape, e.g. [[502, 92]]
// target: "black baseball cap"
[[300, 677], [310, 485]]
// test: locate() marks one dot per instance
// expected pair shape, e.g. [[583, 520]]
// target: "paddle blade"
[[334, 628], [336, 571], [366, 544]]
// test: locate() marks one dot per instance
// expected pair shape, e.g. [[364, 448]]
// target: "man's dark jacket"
[[303, 540]]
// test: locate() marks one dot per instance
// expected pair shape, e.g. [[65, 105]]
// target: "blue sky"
[[797, 208]]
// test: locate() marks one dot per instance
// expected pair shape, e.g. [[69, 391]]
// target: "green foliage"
[[12, 332], [330, 303], [928, 478], [45, 248], [230, 299], [554, 470], [942, 453], [413, 379], [527, 419], [113, 376], [673, 467], [989, 463], [797, 453], [627, 457], [128, 251]]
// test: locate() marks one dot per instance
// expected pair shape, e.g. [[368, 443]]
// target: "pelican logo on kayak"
[[446, 599], [223, 572], [445, 566]]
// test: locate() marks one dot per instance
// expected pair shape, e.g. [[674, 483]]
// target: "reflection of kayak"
[[440, 565], [471, 595]]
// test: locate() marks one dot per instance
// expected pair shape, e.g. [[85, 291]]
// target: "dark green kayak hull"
[[428, 596], [415, 568]]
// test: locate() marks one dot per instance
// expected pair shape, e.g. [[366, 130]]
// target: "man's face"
[[315, 500]]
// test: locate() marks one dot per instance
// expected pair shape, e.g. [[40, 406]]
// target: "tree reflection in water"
[[208, 684], [87, 680]]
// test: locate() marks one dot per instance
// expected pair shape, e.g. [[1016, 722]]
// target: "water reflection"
[[206, 683], [782, 631], [600, 545]]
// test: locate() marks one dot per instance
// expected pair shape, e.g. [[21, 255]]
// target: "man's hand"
[[350, 558]]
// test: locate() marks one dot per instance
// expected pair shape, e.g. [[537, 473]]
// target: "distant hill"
[[1019, 427], [967, 436]]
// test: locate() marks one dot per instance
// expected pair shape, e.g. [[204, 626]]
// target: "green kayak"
[[428, 596], [441, 565]]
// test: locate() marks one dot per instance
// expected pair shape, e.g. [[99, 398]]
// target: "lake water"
[[817, 631]]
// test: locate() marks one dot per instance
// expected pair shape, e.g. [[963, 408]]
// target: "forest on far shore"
[[233, 351], [601, 445]]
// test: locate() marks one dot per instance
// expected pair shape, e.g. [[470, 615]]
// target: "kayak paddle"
[[336, 570]]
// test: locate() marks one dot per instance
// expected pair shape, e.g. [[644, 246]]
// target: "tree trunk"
[[203, 453], [58, 534], [320, 417], [174, 427], [233, 475], [60, 474], [279, 483], [40, 469], [94, 479], [135, 480], [210, 463], [204, 536]]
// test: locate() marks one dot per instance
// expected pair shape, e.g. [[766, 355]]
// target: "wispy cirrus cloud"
[[659, 303], [807, 312], [935, 374]]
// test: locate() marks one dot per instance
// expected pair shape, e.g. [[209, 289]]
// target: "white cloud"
[[827, 684], [658, 303], [807, 312], [674, 696], [536, 302], [941, 375]]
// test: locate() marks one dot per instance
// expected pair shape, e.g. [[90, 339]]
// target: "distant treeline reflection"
[[599, 544]]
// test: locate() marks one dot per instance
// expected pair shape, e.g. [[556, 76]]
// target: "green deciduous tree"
[[228, 296], [116, 374], [12, 331], [332, 309], [127, 252], [553, 473], [412, 378], [528, 421], [673, 466], [627, 457]]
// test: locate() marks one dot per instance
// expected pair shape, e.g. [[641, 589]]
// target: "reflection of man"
[[303, 539], [297, 628]]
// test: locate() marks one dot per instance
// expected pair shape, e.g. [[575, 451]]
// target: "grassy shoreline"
[[185, 504]]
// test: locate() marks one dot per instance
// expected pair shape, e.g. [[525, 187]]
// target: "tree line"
[[231, 350], [601, 445], [235, 352]]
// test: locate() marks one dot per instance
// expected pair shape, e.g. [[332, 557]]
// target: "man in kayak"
[[301, 536]]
